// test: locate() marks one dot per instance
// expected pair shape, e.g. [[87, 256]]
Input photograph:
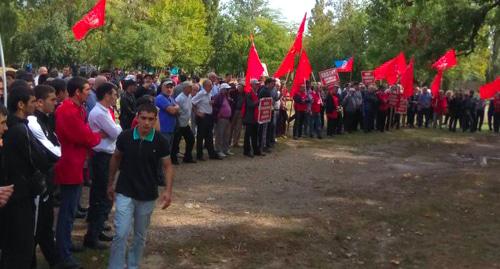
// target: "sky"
[[293, 10]]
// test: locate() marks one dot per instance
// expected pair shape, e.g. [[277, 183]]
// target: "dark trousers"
[[468, 122], [369, 121], [331, 126], [411, 118], [205, 135], [250, 141], [490, 120], [69, 201], [315, 124], [479, 119], [187, 134], [381, 120], [322, 115], [45, 236], [358, 120], [99, 204], [452, 125], [424, 113], [18, 227], [350, 121], [496, 123], [298, 125], [271, 129]]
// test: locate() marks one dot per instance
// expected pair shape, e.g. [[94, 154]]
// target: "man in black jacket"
[[127, 104], [22, 160], [42, 128]]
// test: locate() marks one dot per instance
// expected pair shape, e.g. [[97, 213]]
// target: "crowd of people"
[[120, 134]]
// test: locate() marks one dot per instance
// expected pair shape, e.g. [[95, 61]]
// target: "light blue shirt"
[[100, 120], [186, 107]]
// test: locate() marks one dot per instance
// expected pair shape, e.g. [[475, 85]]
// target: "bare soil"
[[404, 199]]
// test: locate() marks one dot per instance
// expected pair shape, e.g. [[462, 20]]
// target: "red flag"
[[391, 69], [436, 83], [254, 67], [303, 73], [93, 19], [447, 61], [289, 61], [407, 80], [348, 67], [489, 90]]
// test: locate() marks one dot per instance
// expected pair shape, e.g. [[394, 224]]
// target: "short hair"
[[206, 81], [76, 83], [42, 78], [58, 84], [54, 73], [147, 107], [11, 74], [42, 91], [269, 80], [103, 89], [3, 110], [19, 94], [17, 83]]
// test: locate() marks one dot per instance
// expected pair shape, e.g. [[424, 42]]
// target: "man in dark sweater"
[[248, 111], [22, 159]]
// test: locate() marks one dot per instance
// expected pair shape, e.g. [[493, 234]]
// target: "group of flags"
[[392, 70]]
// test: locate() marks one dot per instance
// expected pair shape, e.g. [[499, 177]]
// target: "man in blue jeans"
[[138, 154]]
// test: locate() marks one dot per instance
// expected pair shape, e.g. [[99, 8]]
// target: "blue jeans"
[[70, 196], [128, 210], [315, 124]]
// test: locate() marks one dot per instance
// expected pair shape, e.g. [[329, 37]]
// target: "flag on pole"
[[254, 67], [303, 73], [436, 83], [344, 65], [95, 18], [289, 61], [392, 69], [407, 79], [447, 61], [489, 90]]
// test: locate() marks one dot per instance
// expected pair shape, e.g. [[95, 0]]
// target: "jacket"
[[331, 107], [76, 140], [249, 110]]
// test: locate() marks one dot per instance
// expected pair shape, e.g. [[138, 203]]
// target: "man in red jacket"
[[76, 139]]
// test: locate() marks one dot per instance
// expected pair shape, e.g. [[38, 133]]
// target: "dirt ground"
[[404, 199]]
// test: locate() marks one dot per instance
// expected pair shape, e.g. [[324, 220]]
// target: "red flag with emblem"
[[95, 18], [447, 61], [289, 61], [436, 83]]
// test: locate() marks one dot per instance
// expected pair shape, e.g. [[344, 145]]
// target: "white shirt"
[[100, 120], [37, 131], [202, 102], [186, 107]]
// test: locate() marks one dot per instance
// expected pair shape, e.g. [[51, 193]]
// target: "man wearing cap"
[[205, 121], [184, 102], [127, 104], [168, 110]]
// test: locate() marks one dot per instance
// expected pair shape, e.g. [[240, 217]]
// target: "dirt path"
[[408, 199]]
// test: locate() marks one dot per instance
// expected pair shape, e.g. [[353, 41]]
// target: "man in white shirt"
[[205, 122], [41, 71], [101, 120], [184, 101]]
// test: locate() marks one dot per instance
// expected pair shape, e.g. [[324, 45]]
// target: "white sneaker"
[[229, 153], [222, 155]]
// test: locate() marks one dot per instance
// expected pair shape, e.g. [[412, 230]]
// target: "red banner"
[[368, 77], [265, 110], [329, 77]]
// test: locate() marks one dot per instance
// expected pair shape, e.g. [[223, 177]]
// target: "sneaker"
[[229, 153], [221, 154], [105, 238]]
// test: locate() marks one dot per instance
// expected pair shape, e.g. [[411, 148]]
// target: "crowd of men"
[[60, 132]]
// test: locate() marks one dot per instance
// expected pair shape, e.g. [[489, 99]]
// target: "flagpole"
[[4, 76], [100, 49]]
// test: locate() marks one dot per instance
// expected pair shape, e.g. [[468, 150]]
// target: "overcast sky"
[[293, 10]]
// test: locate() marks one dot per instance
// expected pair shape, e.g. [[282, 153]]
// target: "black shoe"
[[106, 228], [94, 245], [189, 161], [76, 248], [175, 162], [259, 154], [248, 155], [69, 264], [201, 159], [215, 157], [105, 238], [83, 209], [80, 215], [267, 150]]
